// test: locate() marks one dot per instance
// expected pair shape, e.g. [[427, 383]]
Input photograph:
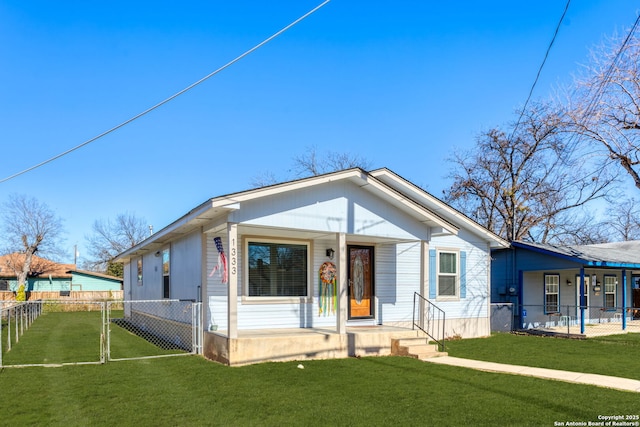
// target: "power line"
[[161, 103], [599, 90], [607, 75], [535, 82]]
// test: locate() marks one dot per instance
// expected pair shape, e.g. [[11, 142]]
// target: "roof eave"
[[578, 260]]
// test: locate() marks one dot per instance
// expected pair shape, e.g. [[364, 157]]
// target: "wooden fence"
[[68, 295]]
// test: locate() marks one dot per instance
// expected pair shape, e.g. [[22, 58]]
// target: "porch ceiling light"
[[330, 252]]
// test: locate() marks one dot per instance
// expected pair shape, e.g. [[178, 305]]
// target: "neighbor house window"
[[140, 271], [551, 292], [166, 290], [447, 274], [277, 268], [610, 291]]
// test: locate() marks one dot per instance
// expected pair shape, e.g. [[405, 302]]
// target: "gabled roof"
[[433, 213], [96, 274], [437, 206], [40, 267], [615, 255]]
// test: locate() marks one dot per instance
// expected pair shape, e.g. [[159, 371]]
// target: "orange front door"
[[360, 281]]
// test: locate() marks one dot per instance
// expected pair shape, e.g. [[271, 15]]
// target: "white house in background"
[[320, 267]]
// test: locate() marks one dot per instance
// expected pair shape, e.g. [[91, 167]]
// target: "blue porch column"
[[624, 299], [521, 299], [582, 300]]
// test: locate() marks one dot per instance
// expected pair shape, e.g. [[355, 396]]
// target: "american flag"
[[222, 260]]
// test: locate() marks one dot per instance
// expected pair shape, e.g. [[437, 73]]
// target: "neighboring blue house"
[[88, 281], [49, 276], [553, 285]]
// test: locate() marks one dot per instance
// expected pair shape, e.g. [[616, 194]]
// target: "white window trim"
[[557, 293], [455, 297], [586, 284], [140, 271], [246, 299], [615, 291], [166, 249]]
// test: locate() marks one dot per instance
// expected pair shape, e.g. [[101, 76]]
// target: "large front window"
[[277, 268], [447, 274], [551, 293]]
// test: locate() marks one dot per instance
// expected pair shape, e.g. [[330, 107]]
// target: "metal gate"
[[58, 333], [52, 333]]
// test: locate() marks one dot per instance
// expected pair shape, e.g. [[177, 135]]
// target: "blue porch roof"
[[613, 255]]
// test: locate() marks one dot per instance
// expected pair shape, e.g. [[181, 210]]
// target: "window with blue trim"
[[447, 274]]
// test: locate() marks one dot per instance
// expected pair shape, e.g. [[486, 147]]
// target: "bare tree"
[[29, 226], [110, 238], [624, 220], [605, 108], [521, 186], [312, 163], [263, 179], [580, 227]]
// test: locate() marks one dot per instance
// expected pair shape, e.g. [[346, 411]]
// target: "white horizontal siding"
[[186, 267], [216, 291], [397, 278], [334, 208], [476, 303], [256, 315]]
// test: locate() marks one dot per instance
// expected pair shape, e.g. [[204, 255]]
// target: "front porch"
[[263, 345], [591, 329]]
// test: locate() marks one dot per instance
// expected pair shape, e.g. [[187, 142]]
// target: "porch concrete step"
[[417, 348]]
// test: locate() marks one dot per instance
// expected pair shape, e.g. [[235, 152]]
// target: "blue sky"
[[400, 83]]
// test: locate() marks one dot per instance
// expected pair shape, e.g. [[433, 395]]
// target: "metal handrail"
[[430, 319]]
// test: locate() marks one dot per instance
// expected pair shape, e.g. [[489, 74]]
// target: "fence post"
[[103, 318], [17, 321], [9, 329], [107, 332], [196, 327]]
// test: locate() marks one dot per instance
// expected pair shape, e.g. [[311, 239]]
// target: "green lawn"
[[71, 337], [615, 355], [367, 391], [376, 391]]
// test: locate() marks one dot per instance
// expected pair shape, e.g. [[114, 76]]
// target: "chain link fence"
[[55, 333], [578, 320], [172, 327], [28, 326], [15, 319]]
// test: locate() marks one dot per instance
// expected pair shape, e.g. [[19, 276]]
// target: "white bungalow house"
[[323, 267]]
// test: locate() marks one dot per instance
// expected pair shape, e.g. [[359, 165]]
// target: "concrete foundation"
[[257, 346]]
